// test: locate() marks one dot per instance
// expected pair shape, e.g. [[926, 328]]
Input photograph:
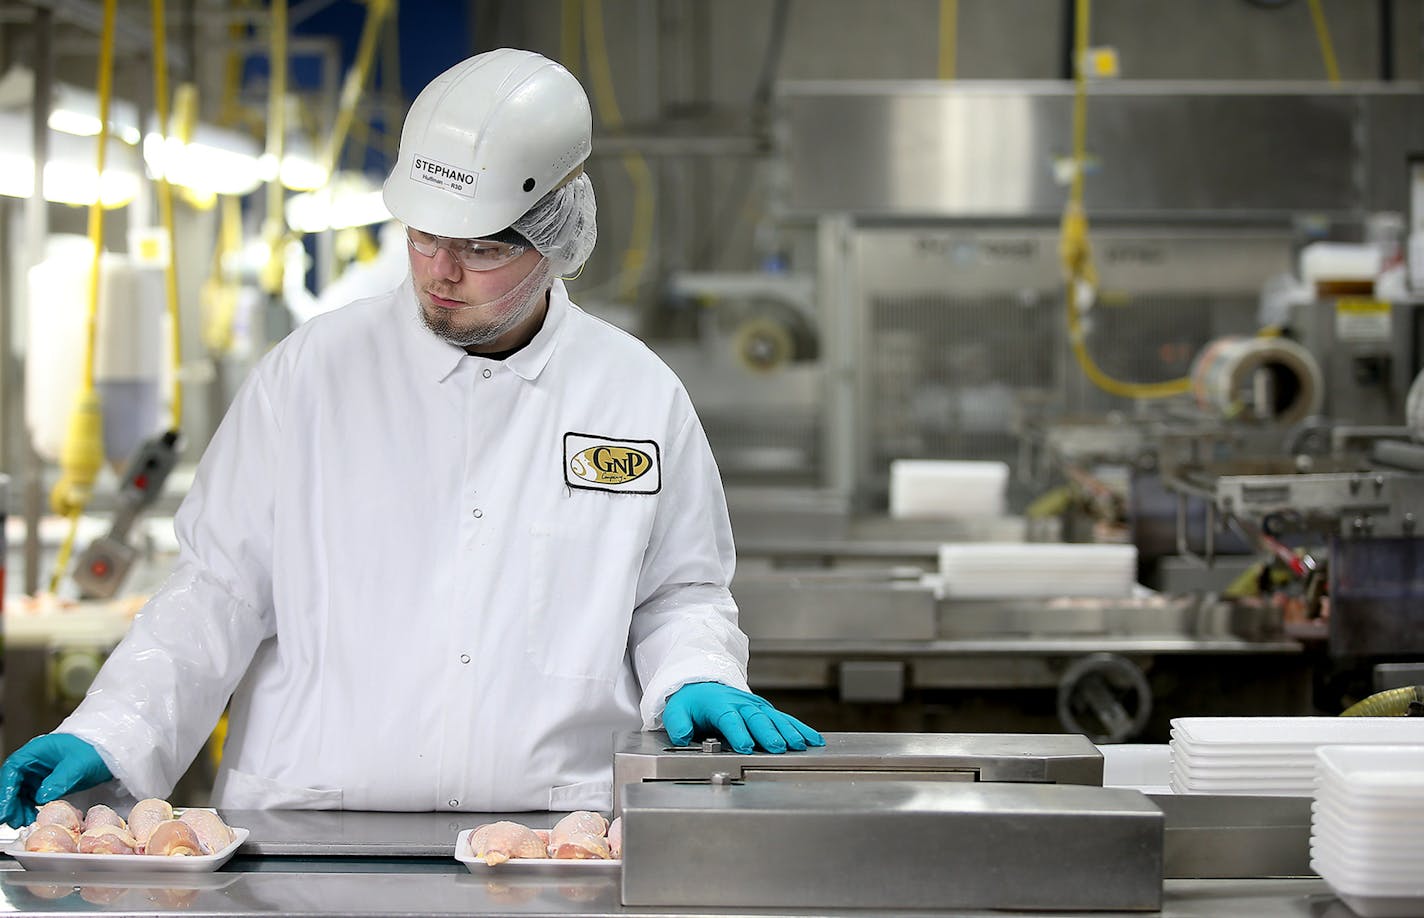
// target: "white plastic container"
[[130, 348], [946, 489]]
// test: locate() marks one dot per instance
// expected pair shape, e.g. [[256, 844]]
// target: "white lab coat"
[[420, 606]]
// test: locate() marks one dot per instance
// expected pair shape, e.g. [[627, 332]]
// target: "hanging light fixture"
[[350, 199], [69, 175], [214, 160]]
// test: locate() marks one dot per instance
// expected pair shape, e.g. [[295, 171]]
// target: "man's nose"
[[446, 264]]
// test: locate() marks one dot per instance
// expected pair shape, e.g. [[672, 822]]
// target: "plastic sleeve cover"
[[157, 697]]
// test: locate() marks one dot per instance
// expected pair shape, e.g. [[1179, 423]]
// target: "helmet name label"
[[443, 175], [598, 463]]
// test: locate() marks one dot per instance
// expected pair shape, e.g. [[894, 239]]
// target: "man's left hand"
[[744, 720]]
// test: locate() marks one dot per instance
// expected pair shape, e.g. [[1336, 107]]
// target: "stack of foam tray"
[[944, 489], [1367, 827], [1270, 756], [989, 570], [890, 844]]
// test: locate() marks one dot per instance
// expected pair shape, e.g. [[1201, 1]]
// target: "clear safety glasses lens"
[[474, 254]]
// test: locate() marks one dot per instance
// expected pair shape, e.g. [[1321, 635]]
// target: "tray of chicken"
[[582, 840], [154, 838]]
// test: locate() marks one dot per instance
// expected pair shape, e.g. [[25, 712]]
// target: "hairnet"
[[563, 225]]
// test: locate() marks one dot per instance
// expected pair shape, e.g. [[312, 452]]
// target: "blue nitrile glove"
[[739, 716], [44, 769]]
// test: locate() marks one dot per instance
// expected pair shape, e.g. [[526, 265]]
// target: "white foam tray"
[[123, 863], [1269, 733]]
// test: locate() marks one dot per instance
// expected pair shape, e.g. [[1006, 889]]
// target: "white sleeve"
[[156, 699], [685, 622]]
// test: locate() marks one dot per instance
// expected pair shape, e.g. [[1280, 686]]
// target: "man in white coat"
[[447, 540]]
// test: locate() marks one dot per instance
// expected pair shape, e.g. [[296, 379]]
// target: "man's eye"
[[484, 251]]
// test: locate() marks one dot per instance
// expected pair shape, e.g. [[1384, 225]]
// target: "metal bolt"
[[1355, 485], [1408, 523], [721, 779], [1379, 483], [712, 745]]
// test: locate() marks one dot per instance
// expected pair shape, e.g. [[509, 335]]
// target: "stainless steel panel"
[[891, 845], [792, 608], [1236, 836], [974, 150], [1013, 757], [960, 330]]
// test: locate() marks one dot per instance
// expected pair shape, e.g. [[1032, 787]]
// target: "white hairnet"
[[563, 225]]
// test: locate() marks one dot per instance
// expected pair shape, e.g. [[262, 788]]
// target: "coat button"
[[464, 658], [454, 803], [487, 373], [478, 513]]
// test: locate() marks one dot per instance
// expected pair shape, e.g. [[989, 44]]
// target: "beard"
[[484, 323]]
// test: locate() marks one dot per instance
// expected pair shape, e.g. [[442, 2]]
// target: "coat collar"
[[437, 358]]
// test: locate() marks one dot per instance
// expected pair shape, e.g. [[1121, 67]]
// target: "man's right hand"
[[44, 769]]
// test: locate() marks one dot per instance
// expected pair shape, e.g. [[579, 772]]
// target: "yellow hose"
[[948, 40], [82, 454], [355, 84], [276, 225], [1393, 703], [1076, 249], [165, 210], [640, 237], [1322, 35], [570, 28]]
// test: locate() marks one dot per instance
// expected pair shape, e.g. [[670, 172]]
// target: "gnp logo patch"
[[612, 464]]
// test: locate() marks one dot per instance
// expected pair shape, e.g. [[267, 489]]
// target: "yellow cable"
[[165, 210], [948, 40], [275, 229], [1322, 35], [1076, 248], [355, 83], [570, 28], [640, 236], [82, 454]]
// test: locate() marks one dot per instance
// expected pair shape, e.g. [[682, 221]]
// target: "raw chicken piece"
[[213, 834], [53, 839], [582, 846], [615, 837], [146, 815], [60, 813], [579, 822], [172, 838], [101, 815], [107, 839], [497, 842]]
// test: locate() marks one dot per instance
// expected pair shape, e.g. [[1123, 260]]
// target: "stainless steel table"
[[360, 888], [333, 863]]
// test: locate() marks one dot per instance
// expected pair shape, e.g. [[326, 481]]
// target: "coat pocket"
[[240, 790], [588, 795]]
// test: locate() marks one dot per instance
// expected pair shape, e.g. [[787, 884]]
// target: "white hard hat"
[[485, 141]]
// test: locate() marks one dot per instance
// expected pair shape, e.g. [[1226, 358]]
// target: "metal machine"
[[940, 807], [861, 757], [101, 569], [940, 320]]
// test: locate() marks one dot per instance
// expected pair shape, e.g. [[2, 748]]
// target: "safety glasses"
[[474, 254]]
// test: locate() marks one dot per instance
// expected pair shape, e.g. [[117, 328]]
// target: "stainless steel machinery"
[[961, 820], [902, 844], [864, 757]]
